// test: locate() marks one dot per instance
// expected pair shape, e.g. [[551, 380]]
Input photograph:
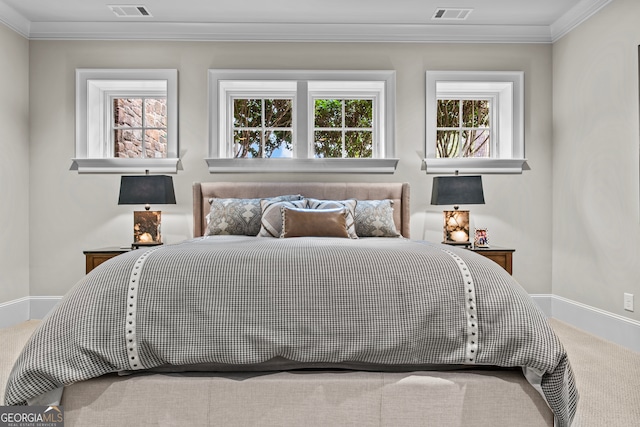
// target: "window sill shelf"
[[465, 166], [125, 165], [368, 166]]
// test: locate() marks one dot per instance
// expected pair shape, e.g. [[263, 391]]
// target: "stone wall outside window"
[[129, 127]]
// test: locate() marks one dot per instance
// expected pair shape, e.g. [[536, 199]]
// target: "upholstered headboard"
[[398, 192]]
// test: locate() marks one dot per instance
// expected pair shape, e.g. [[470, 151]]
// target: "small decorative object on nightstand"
[[481, 239]]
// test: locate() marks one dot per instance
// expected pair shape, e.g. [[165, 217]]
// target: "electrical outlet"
[[628, 302]]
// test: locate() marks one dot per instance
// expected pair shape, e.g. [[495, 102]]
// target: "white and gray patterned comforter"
[[246, 300]]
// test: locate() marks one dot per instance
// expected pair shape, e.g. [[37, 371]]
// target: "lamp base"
[[146, 228], [456, 227]]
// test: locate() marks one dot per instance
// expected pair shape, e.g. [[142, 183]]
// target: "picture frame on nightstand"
[[481, 238]]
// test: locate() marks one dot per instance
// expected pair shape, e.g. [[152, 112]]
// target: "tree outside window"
[[474, 122], [463, 128], [343, 128], [262, 128], [302, 121]]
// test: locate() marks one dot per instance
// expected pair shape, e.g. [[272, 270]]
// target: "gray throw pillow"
[[271, 221], [374, 218], [237, 216]]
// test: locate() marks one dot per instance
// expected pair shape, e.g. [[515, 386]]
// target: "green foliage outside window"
[[463, 128], [343, 128], [262, 128]]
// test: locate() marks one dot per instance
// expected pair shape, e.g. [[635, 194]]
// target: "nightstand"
[[95, 257], [501, 256]]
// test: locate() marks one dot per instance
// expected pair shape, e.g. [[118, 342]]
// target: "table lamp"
[[457, 190], [145, 190]]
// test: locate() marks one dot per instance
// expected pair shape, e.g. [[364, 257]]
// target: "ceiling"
[[529, 21]]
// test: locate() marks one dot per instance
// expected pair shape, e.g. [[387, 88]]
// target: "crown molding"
[[289, 32], [13, 20], [419, 33], [575, 16]]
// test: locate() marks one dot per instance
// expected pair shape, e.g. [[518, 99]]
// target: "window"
[[126, 120], [463, 128], [474, 122], [257, 119], [262, 127], [138, 127], [302, 121], [343, 128]]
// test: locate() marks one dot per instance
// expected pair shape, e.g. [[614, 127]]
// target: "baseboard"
[[545, 302], [14, 312], [23, 309], [609, 326], [606, 325], [41, 306]]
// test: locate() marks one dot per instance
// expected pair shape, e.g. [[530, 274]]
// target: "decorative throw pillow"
[[374, 218], [314, 222], [349, 205], [271, 222], [238, 216]]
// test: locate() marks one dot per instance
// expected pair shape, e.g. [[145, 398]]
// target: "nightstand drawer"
[[97, 256], [502, 257]]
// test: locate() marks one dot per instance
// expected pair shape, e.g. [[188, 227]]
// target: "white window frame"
[[378, 85], [231, 90], [95, 88], [373, 90], [507, 88]]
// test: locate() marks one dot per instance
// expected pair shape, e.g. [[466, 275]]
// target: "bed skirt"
[[312, 398]]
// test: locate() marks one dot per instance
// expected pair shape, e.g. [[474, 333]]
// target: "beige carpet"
[[13, 339], [608, 378], [608, 375]]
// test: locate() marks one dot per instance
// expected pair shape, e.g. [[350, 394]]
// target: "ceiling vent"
[[130, 11], [451, 14]]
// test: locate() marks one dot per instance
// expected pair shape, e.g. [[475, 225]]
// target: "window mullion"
[[143, 148], [263, 143], [460, 122], [303, 123]]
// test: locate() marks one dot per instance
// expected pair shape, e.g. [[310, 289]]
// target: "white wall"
[[596, 216], [14, 165], [74, 212]]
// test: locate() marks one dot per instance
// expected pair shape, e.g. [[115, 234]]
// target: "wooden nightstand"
[[95, 257], [503, 257]]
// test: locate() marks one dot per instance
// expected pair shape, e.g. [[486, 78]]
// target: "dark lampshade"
[[457, 190], [146, 190]]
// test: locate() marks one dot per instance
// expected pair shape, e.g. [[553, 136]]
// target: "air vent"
[[451, 14], [130, 11]]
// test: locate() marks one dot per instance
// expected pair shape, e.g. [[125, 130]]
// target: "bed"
[[315, 329]]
